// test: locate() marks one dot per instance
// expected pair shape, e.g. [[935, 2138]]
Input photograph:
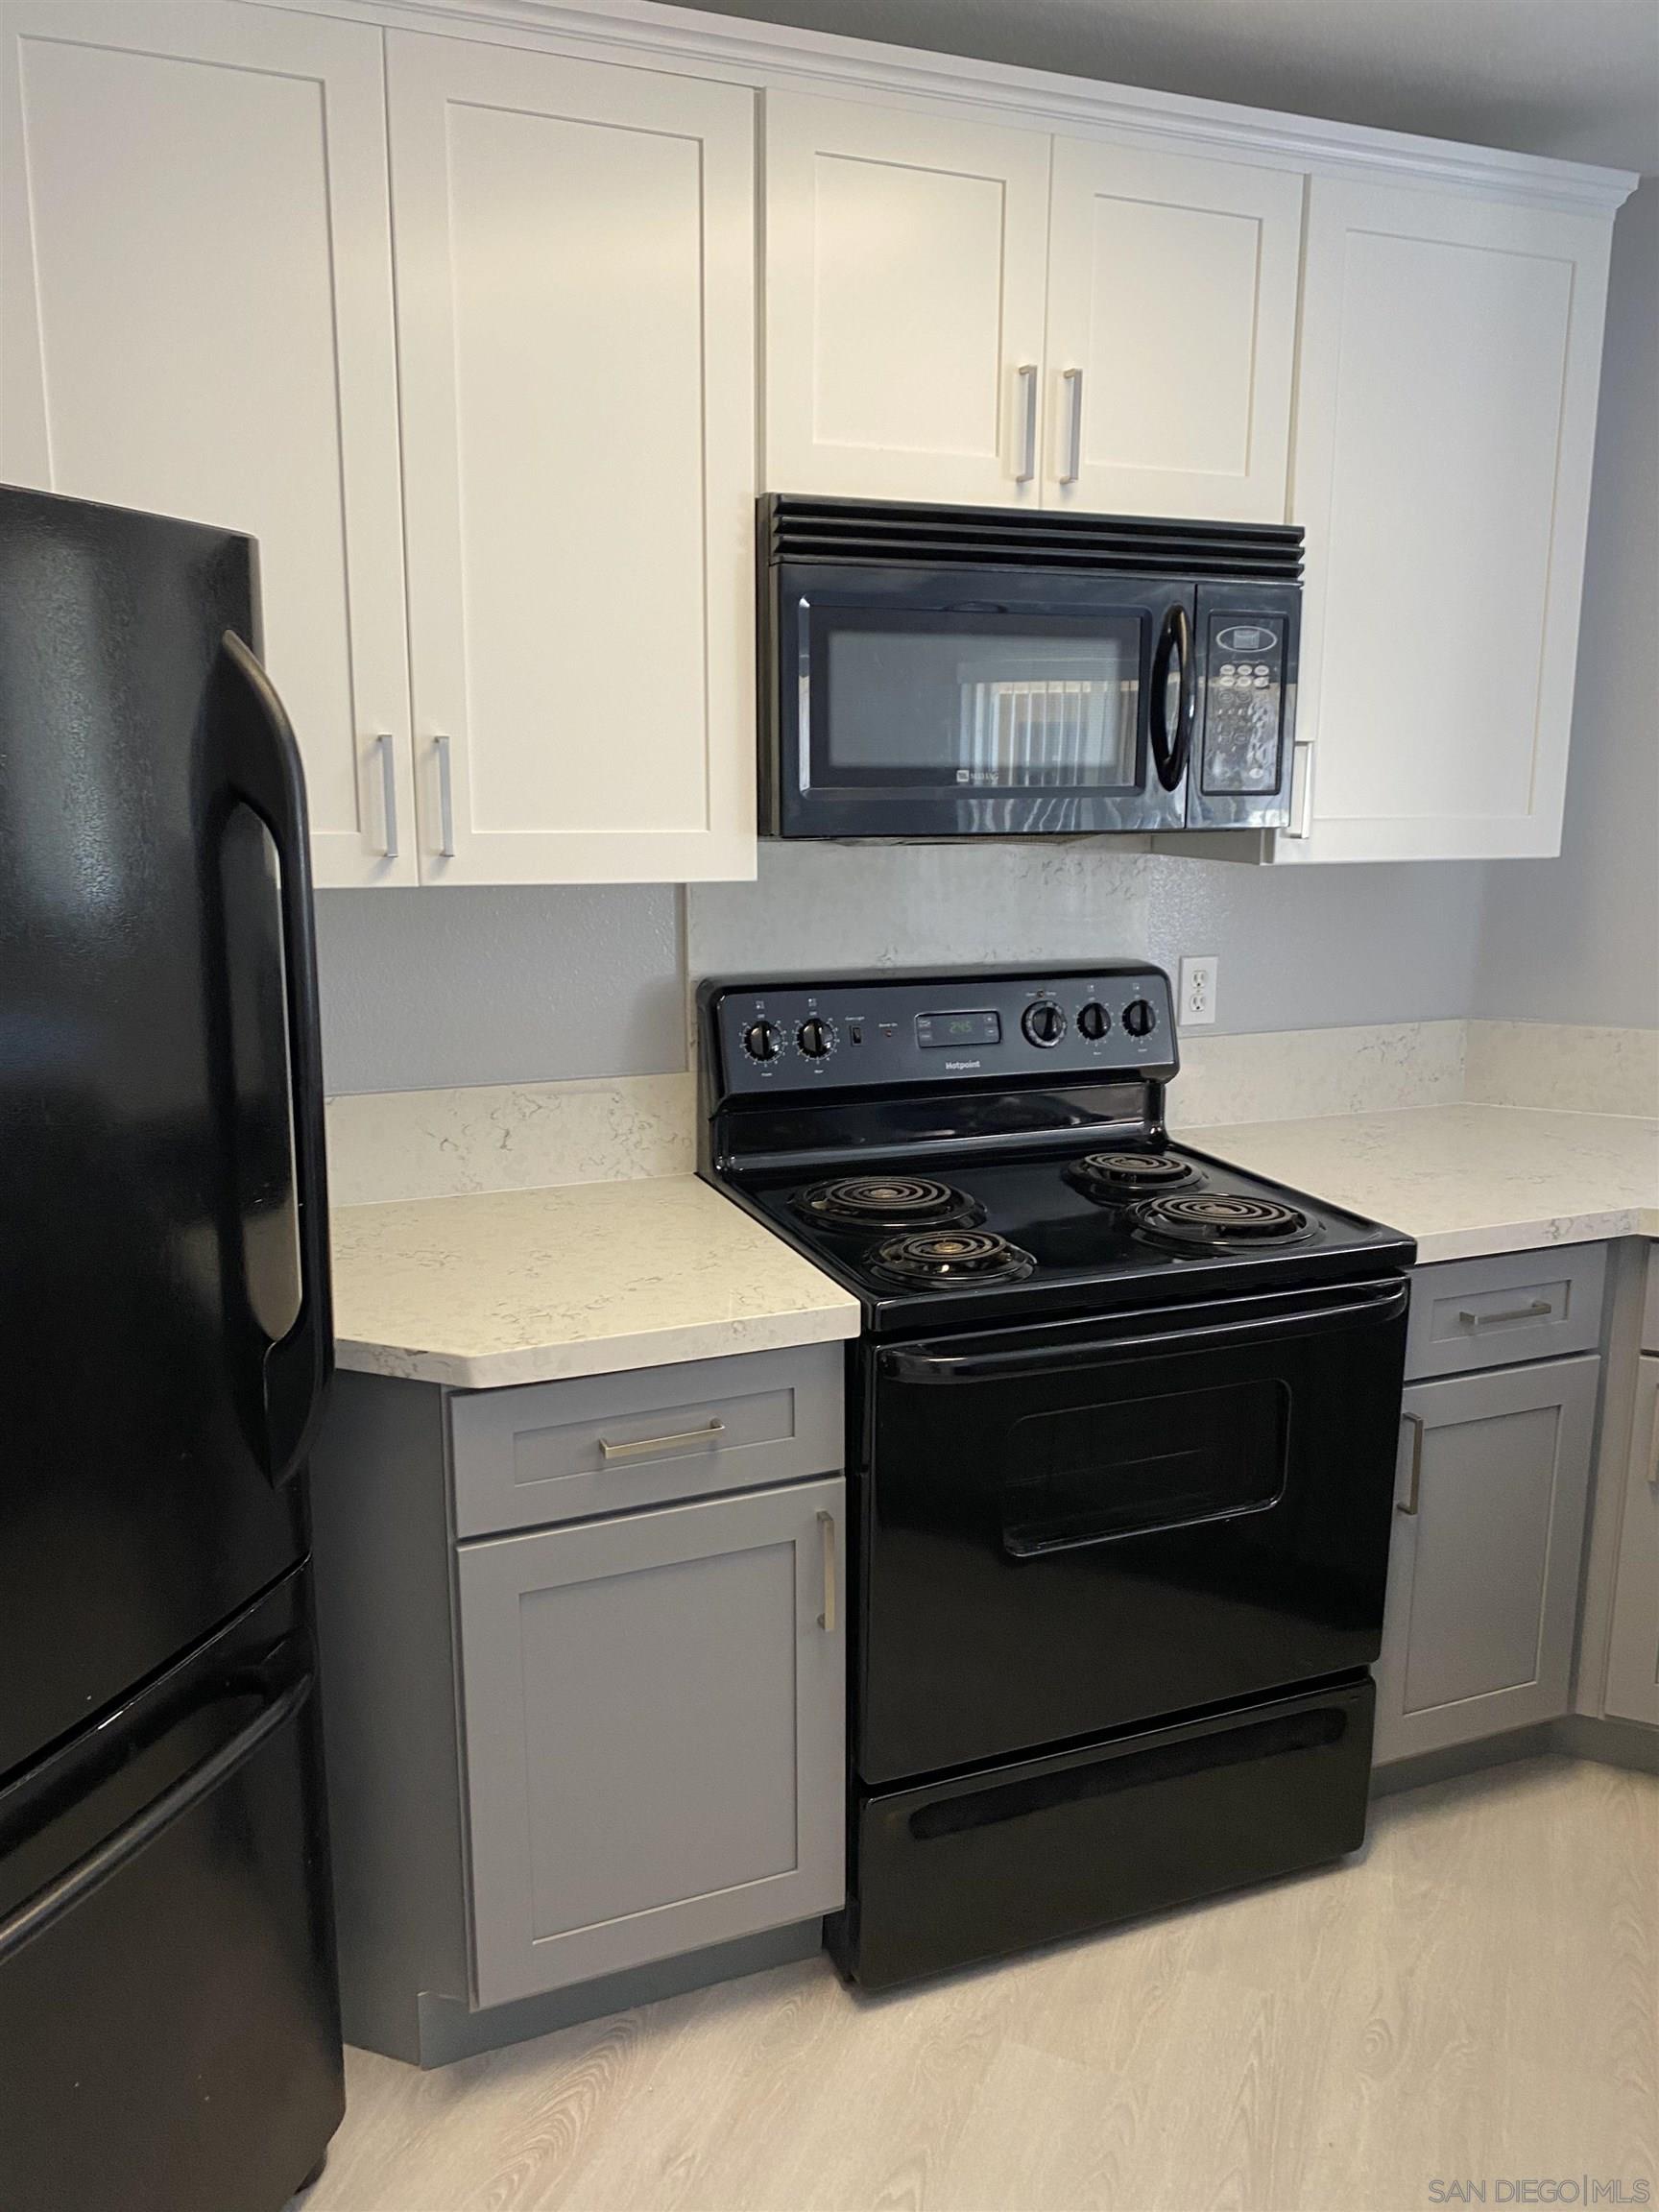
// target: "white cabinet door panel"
[[1171, 333], [1446, 406], [904, 293], [196, 319], [574, 247]]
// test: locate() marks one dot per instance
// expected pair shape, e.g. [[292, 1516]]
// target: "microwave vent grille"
[[867, 532]]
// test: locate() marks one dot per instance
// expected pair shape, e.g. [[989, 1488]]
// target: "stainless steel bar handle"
[[1027, 375], [446, 800], [827, 1532], [388, 797], [1653, 1449], [1411, 1496], [1073, 377], [1301, 823], [704, 1436], [1534, 1312]]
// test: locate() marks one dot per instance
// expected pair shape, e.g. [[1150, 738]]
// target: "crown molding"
[[777, 55]]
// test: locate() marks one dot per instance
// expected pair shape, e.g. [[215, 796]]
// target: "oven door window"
[[1089, 1475], [965, 701]]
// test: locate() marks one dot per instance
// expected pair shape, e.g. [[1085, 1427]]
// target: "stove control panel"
[[1065, 1025]]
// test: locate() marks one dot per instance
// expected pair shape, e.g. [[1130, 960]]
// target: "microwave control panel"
[[1243, 705], [1068, 1027]]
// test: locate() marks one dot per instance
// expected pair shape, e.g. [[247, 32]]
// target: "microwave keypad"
[[1243, 705]]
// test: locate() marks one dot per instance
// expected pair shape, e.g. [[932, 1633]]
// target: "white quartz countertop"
[[586, 1279], [1464, 1180]]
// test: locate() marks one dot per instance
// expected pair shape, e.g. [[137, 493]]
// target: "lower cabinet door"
[[654, 1710], [1483, 1579], [1632, 1692]]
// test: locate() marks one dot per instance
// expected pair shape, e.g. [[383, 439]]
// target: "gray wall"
[[432, 988], [1577, 939]]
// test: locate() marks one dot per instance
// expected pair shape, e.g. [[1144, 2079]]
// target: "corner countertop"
[[504, 1287], [1464, 1180]]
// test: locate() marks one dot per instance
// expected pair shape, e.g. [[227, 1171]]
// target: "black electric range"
[[1123, 1426]]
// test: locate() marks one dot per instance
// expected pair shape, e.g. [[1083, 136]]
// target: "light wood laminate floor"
[[1474, 1998]]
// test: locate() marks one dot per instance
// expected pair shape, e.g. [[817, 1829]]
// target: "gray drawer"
[[1473, 1314], [552, 1452]]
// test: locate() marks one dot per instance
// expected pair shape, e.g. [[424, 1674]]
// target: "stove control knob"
[[1044, 1022], [1138, 1019], [816, 1037], [1093, 1019], [763, 1040]]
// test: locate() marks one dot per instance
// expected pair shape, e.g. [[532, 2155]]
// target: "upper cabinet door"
[[575, 261], [196, 319], [904, 293], [1445, 420], [1171, 333]]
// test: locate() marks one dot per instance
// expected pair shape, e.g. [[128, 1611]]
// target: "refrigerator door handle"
[[259, 762], [77, 1883]]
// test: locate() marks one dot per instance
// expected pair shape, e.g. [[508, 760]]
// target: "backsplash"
[[514, 1136]]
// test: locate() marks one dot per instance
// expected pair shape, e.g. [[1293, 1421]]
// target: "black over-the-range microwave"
[[935, 672]]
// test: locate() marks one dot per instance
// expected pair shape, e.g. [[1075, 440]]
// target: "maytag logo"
[[962, 1066]]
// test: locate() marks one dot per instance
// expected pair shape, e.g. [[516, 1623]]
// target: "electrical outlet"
[[1196, 1003]]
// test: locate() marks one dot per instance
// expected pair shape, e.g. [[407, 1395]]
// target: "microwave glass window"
[[1049, 703]]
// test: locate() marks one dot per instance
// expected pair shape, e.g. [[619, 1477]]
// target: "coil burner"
[[948, 1259], [888, 1202], [1216, 1221]]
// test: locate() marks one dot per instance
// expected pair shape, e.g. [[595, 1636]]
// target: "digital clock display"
[[935, 1032]]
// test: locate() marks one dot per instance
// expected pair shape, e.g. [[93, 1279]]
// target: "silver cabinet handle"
[[1536, 1311], [1653, 1449], [1027, 375], [388, 798], [445, 801], [1073, 377], [1300, 788], [1411, 1495], [826, 1530], [704, 1436]]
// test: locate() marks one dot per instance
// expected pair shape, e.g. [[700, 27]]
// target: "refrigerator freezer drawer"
[[169, 2036], [1018, 1854]]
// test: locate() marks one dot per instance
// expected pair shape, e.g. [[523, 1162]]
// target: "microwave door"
[[1245, 707], [943, 704]]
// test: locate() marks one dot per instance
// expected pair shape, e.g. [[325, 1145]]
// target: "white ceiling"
[[1575, 77]]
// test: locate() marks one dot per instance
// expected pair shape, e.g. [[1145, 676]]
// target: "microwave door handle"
[[1170, 751], [915, 1366]]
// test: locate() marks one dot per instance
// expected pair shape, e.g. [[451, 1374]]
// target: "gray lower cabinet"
[[1632, 1689], [1483, 1578], [652, 1717]]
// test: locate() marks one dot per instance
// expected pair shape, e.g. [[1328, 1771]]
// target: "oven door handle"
[[913, 1366]]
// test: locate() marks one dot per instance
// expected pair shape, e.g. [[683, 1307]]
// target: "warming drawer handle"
[[914, 1366], [628, 1450], [1534, 1312], [77, 1883]]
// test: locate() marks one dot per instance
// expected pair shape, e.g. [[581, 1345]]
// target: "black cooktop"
[[987, 1148], [952, 1238]]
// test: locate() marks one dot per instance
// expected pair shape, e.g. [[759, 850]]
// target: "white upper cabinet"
[[196, 318], [904, 293], [575, 273], [1445, 420], [1171, 333], [957, 311]]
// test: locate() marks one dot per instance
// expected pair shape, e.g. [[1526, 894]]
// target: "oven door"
[[1074, 1527], [908, 703]]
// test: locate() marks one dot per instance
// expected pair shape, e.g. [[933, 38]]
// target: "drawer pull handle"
[[1536, 1311], [1411, 1505], [704, 1436], [826, 1530]]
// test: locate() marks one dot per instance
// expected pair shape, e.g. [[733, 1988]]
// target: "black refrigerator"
[[169, 2027]]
